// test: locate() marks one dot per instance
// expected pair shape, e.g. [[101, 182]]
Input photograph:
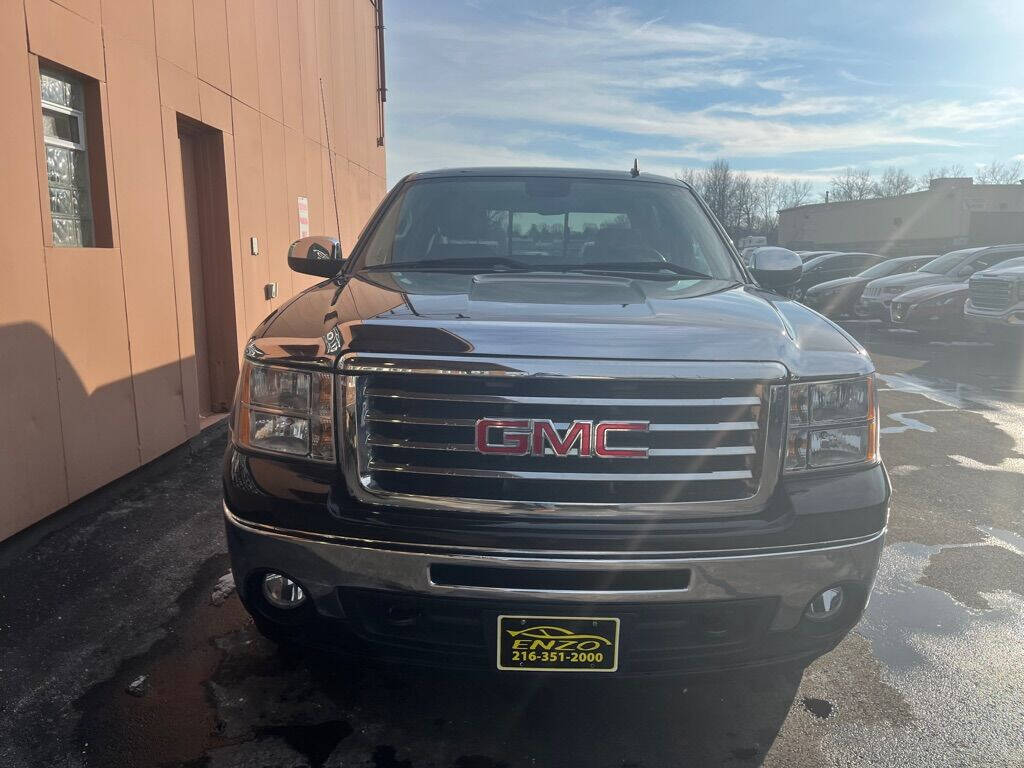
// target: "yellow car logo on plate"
[[552, 638]]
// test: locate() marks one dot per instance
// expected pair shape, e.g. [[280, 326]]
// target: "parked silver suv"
[[996, 295]]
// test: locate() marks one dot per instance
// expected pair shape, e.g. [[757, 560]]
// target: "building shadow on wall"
[[77, 421]]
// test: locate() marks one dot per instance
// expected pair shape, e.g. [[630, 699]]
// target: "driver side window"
[[988, 260]]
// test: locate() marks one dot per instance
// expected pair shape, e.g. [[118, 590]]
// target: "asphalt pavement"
[[121, 644]]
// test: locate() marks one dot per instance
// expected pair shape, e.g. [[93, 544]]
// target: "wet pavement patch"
[[477, 761], [818, 707], [854, 680], [314, 742], [967, 572], [746, 753], [385, 756], [123, 729]]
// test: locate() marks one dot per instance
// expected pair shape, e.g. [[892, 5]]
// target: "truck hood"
[[555, 315], [1007, 273]]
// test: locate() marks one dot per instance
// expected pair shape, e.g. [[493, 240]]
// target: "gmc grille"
[[415, 437], [991, 293]]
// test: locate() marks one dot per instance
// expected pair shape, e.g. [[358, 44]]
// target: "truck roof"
[[571, 173]]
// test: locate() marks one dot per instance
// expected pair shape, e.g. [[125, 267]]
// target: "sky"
[[800, 90]]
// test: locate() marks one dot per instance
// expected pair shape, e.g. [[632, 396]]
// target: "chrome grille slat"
[[712, 445], [719, 426], [722, 450], [620, 402], [587, 476]]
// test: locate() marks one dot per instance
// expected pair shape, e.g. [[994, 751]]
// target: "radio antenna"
[[634, 171]]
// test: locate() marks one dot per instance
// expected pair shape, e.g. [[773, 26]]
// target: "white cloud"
[[538, 89]]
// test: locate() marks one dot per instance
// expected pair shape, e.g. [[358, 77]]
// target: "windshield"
[[944, 264], [548, 223], [817, 261], [883, 269]]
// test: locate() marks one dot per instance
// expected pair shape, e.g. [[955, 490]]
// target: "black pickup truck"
[[546, 420]]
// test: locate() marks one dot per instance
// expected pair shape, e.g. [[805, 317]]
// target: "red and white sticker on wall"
[[303, 216]]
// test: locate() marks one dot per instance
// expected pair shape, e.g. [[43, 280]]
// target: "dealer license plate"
[[558, 644]]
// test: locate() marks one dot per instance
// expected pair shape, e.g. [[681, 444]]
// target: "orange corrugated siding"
[[96, 343]]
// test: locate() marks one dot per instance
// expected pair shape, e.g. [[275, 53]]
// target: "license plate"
[[558, 644]]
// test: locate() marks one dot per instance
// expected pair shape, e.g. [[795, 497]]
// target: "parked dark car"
[[953, 267], [832, 266], [544, 420], [837, 298], [806, 256], [934, 311]]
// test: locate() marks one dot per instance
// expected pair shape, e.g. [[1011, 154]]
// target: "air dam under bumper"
[[729, 610]]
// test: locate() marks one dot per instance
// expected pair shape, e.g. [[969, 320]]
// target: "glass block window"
[[67, 162]]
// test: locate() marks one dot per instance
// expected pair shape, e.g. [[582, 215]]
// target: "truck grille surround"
[[991, 293], [711, 445]]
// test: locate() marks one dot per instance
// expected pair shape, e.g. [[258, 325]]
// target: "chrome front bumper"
[[322, 565], [1012, 316]]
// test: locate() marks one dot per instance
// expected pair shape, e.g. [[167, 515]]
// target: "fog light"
[[282, 592], [825, 605]]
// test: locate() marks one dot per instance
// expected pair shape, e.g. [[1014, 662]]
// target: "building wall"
[[98, 348], [954, 213]]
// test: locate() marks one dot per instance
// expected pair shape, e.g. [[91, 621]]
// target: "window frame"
[[82, 145]]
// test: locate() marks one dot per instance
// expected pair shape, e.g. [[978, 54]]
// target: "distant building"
[[952, 213]]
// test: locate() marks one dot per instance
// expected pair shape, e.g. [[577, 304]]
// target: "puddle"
[[906, 421], [1013, 540], [901, 609], [949, 393], [820, 708]]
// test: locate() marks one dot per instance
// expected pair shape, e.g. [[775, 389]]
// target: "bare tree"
[[796, 193], [744, 206], [716, 182], [689, 175], [955, 171], [768, 199], [895, 181], [852, 184], [1001, 173]]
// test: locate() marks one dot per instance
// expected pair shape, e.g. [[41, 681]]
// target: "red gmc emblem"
[[540, 437]]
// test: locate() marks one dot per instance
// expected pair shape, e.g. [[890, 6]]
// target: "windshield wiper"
[[639, 267], [497, 263]]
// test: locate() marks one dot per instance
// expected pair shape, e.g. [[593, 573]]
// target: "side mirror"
[[316, 255], [776, 268]]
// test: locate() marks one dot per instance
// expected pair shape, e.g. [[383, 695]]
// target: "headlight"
[[832, 423], [893, 290], [286, 411]]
